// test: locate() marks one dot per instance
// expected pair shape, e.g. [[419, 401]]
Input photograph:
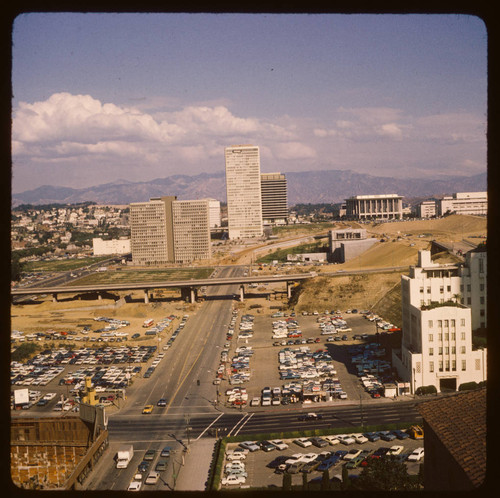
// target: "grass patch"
[[61, 265], [142, 276]]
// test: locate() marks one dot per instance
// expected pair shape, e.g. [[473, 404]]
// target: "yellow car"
[[148, 409]]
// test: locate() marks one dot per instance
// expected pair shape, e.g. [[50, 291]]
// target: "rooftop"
[[459, 421]]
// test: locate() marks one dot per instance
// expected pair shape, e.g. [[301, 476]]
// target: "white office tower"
[[215, 218], [436, 346], [244, 202], [191, 222]]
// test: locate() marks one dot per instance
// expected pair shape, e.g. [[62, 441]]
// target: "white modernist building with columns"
[[436, 346]]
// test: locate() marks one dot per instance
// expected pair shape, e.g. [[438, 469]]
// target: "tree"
[[385, 474], [304, 481], [346, 482]]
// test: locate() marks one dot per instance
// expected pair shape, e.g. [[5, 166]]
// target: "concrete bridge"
[[188, 287]]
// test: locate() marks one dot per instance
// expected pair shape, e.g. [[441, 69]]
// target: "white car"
[[360, 438], [303, 442], [134, 486], [332, 440], [352, 454], [233, 479], [280, 445], [308, 457], [234, 466], [138, 477], [294, 458], [346, 439], [235, 455], [395, 450], [417, 455], [152, 477]]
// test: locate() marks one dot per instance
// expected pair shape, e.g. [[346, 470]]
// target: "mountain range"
[[306, 187]]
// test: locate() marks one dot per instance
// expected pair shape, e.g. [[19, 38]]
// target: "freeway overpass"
[[188, 287]]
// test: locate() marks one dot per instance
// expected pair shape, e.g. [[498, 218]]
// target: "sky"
[[104, 97]]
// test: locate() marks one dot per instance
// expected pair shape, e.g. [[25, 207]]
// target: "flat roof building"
[[274, 198], [374, 207], [426, 209], [436, 345], [243, 189], [472, 203], [165, 230]]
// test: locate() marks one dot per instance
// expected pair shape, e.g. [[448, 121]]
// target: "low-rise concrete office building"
[[372, 207]]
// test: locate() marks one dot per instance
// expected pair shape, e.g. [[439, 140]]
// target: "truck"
[[124, 455]]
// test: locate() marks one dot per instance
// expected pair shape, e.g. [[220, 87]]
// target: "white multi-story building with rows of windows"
[[436, 344]]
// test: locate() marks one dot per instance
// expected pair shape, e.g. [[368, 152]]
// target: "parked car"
[[165, 452], [401, 434], [332, 440], [387, 436], [416, 455], [266, 446], [355, 462], [303, 442], [351, 454], [249, 445], [318, 442], [372, 436], [279, 444], [328, 463], [232, 480], [395, 450], [360, 438], [346, 439]]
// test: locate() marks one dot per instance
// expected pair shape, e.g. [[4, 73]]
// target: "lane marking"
[[208, 427]]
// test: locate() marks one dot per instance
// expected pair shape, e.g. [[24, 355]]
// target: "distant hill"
[[303, 187]]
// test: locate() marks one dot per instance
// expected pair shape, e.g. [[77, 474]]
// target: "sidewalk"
[[193, 475]]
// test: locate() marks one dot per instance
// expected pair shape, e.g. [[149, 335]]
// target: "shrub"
[[426, 390], [468, 386]]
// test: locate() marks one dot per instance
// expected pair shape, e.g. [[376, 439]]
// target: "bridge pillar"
[[146, 296], [192, 295], [54, 297], [289, 286], [242, 293], [99, 296]]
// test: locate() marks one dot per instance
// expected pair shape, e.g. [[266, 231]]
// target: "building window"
[[446, 350], [478, 364], [447, 365], [446, 324], [440, 337], [440, 350], [468, 287], [452, 323], [431, 366], [462, 322], [428, 290], [440, 324], [446, 337], [481, 300], [440, 366], [421, 290], [461, 287], [431, 351], [441, 289], [453, 365], [453, 350], [481, 312], [453, 336], [448, 288], [468, 300], [431, 337], [481, 287], [464, 365], [430, 324]]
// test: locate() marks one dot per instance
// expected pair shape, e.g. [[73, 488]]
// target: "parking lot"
[[261, 466], [327, 367]]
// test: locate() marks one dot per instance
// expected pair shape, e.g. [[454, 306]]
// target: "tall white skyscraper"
[[243, 189]]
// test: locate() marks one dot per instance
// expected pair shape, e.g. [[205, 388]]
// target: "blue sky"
[[100, 97]]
